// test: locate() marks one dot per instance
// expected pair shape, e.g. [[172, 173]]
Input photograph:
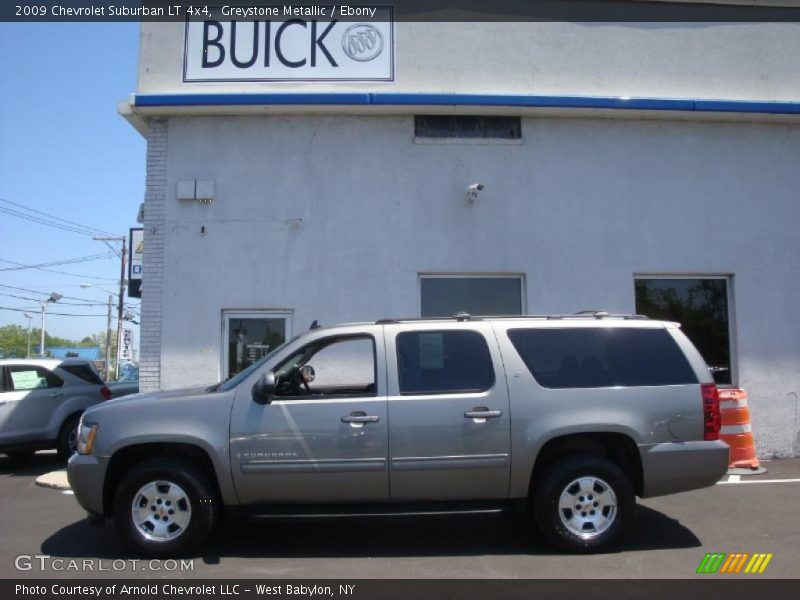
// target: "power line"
[[48, 312], [114, 250], [55, 263], [56, 271], [33, 219], [21, 289], [60, 302], [50, 220]]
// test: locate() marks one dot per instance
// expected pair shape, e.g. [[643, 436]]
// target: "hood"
[[149, 398]]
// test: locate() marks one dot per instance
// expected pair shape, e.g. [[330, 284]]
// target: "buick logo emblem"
[[362, 42]]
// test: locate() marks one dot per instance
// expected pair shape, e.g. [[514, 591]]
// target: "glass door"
[[250, 335]]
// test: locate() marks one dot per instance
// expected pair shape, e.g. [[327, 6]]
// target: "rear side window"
[[84, 372], [31, 378], [602, 357], [440, 362]]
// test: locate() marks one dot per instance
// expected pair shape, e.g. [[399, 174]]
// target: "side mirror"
[[307, 373], [264, 388]]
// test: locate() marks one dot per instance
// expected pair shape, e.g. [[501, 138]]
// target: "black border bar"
[[731, 588], [414, 10]]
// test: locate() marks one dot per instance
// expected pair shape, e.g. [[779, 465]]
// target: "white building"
[[625, 167]]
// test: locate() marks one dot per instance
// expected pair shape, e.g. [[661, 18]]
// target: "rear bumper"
[[86, 475], [682, 466]]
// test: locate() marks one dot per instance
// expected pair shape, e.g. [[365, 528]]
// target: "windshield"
[[232, 382]]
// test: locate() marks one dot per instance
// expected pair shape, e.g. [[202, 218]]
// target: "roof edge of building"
[[147, 105]]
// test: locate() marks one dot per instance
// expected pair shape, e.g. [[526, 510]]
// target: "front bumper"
[[682, 466], [86, 475]]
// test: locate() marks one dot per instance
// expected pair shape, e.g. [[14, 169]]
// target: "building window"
[[702, 306], [458, 126], [249, 336], [443, 362], [445, 295], [602, 357]]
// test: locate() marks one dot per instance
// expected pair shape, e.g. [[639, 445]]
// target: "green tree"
[[14, 341]]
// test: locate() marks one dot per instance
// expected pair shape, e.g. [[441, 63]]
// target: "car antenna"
[[314, 325]]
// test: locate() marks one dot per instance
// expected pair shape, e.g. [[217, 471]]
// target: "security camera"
[[472, 191]]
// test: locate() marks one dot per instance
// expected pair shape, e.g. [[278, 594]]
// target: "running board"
[[372, 510]]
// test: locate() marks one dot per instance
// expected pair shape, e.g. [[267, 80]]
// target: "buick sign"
[[362, 42], [290, 49]]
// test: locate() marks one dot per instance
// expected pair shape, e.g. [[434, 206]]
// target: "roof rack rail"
[[599, 314], [463, 316]]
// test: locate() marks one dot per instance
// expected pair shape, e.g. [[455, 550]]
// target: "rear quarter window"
[[23, 377], [602, 357], [84, 372]]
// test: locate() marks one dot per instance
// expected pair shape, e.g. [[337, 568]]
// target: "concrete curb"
[[56, 480]]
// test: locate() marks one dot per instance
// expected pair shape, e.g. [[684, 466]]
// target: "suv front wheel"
[[165, 507], [584, 504]]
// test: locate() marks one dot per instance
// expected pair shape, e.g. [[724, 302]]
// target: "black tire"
[[20, 455], [65, 444], [593, 537], [200, 497]]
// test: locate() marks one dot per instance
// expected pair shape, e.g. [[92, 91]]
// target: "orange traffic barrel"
[[737, 431]]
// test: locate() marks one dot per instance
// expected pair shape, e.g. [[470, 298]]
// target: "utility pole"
[[41, 344], [108, 338], [120, 307], [29, 317]]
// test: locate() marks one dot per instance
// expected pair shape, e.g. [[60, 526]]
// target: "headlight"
[[86, 433]]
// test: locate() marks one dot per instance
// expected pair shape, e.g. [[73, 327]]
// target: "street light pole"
[[53, 298]]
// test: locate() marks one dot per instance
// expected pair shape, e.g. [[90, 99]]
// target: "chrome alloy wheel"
[[587, 507], [161, 511]]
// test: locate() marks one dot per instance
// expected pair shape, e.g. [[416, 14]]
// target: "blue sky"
[[65, 151]]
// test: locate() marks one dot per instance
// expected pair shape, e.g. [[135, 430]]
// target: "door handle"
[[360, 418], [481, 412], [2, 402], [57, 394]]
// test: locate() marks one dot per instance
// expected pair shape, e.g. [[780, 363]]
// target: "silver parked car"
[[41, 401], [572, 416]]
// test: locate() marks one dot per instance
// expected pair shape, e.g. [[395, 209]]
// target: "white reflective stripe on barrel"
[[734, 429], [732, 403]]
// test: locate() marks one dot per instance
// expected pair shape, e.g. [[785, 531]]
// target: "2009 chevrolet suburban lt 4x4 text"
[[574, 415]]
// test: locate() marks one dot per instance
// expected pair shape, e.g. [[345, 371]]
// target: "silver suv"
[[572, 416], [41, 401]]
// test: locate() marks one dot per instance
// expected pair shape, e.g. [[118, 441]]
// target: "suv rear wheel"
[[584, 504], [165, 507]]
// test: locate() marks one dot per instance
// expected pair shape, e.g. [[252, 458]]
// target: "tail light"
[[712, 421], [106, 393]]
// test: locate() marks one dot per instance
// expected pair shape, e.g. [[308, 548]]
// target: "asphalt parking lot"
[[671, 537]]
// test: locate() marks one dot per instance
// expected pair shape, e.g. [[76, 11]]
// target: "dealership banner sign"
[[125, 346], [275, 45]]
